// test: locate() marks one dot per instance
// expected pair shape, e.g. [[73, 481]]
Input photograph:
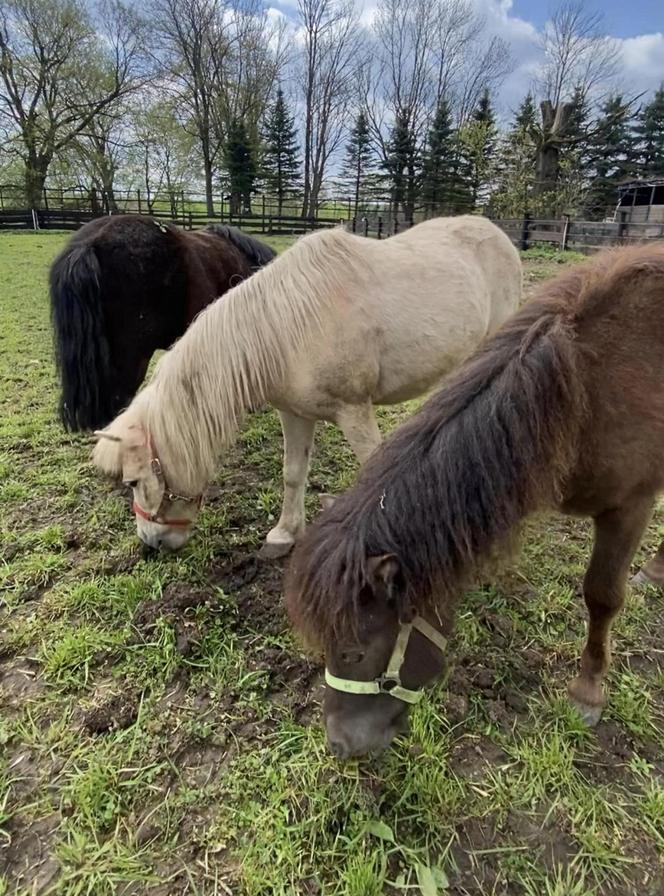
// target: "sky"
[[637, 25]]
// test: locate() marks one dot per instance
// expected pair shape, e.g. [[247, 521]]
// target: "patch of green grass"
[[219, 779]]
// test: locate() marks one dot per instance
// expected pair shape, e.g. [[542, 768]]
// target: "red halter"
[[168, 497]]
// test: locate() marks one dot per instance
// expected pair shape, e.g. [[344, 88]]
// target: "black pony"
[[125, 286]]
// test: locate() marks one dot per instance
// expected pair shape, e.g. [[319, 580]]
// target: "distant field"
[[160, 728]]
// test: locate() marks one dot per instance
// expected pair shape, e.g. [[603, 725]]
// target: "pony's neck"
[[222, 367]]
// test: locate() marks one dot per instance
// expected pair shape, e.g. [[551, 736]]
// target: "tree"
[[403, 166], [58, 74], [650, 136], [327, 65], [515, 166], [240, 165], [438, 167], [281, 163], [359, 158], [193, 43], [578, 56], [614, 154], [478, 139]]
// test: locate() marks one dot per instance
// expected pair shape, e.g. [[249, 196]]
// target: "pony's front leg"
[[617, 536], [653, 572], [298, 441], [358, 424]]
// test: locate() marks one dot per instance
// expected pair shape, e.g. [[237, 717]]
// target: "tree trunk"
[[36, 169], [207, 171]]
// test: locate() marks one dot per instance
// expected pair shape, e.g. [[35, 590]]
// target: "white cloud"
[[643, 61]]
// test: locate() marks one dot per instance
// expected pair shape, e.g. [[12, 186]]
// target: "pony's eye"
[[131, 483]]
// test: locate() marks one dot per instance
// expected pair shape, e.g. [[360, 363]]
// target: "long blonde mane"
[[233, 354]]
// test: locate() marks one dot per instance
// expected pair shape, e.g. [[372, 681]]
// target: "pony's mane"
[[446, 490], [235, 351], [256, 252]]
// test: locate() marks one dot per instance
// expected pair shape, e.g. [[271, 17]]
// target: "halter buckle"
[[387, 683]]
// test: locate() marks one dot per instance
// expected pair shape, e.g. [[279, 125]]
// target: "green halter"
[[390, 681]]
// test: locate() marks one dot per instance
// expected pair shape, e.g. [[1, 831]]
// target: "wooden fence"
[[526, 233]]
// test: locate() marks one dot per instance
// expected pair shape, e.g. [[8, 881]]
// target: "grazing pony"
[[563, 407], [335, 325], [124, 287]]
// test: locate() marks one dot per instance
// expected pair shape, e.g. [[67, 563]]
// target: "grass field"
[[160, 728]]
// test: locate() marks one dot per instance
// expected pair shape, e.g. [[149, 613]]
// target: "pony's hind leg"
[[617, 536], [298, 440], [653, 572]]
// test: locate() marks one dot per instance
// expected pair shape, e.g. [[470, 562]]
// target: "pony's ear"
[[107, 454], [385, 574], [327, 501]]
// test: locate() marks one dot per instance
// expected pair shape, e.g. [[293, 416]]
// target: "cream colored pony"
[[334, 326]]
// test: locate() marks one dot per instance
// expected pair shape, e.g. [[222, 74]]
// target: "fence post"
[[222, 208], [191, 225], [563, 241], [35, 220], [138, 196], [263, 216], [45, 199], [380, 228], [354, 225], [366, 226], [396, 226], [525, 227], [622, 225]]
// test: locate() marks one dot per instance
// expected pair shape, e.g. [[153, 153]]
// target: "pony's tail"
[[81, 348]]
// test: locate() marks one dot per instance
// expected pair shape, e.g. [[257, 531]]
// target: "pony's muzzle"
[[363, 735], [160, 537]]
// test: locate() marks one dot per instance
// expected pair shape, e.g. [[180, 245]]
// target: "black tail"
[[257, 253], [81, 347]]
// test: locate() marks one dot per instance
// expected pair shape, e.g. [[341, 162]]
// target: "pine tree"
[[241, 166], [438, 168], [515, 168], [402, 165], [650, 136], [281, 162], [478, 138], [359, 158], [613, 156]]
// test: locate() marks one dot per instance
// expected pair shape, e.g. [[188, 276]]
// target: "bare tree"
[[58, 72], [579, 56], [328, 65], [194, 44]]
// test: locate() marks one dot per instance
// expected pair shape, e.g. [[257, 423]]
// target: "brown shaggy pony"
[[563, 408]]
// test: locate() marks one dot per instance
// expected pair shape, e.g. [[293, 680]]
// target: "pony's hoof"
[[589, 714], [275, 550]]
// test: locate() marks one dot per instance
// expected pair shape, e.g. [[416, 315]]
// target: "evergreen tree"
[[281, 162], [402, 165], [478, 139], [438, 168], [240, 165], [515, 168], [650, 135], [359, 158], [613, 156]]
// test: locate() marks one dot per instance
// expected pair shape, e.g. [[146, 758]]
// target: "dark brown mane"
[[494, 444]]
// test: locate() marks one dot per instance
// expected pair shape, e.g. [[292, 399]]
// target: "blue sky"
[[637, 25], [623, 19]]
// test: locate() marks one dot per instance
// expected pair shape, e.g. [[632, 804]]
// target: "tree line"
[[224, 96]]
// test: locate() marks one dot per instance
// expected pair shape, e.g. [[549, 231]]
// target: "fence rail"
[[527, 232]]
